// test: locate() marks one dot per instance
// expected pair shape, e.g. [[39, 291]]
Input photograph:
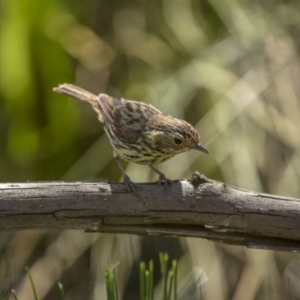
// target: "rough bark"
[[196, 208]]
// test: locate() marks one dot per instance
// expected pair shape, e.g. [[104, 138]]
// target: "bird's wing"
[[108, 106]]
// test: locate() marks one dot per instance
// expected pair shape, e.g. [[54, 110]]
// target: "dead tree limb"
[[194, 208]]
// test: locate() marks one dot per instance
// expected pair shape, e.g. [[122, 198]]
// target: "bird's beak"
[[200, 148]]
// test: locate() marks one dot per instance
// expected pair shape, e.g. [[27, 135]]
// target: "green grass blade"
[[14, 294], [115, 285], [109, 283], [170, 289], [151, 274], [142, 281], [147, 277], [164, 258], [62, 292], [174, 269], [36, 297]]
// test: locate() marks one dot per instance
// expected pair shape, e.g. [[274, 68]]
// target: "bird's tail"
[[78, 93]]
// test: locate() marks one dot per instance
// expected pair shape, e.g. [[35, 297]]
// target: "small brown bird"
[[138, 132]]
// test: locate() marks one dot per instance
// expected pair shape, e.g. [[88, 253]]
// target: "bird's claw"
[[131, 187], [162, 179]]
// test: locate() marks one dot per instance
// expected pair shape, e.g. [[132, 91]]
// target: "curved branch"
[[197, 208]]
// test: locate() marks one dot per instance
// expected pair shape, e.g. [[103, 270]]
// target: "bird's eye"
[[177, 141]]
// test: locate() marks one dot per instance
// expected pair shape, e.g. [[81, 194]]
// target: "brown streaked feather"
[[167, 123], [137, 131], [108, 104], [130, 119], [77, 93]]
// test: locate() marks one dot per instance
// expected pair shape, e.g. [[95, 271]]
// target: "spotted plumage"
[[138, 132]]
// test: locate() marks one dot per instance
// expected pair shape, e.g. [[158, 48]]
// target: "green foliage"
[[36, 297], [169, 279], [111, 283], [62, 292], [14, 295], [213, 63], [231, 68], [146, 281]]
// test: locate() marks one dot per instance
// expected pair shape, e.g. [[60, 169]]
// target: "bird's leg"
[[129, 184], [162, 177]]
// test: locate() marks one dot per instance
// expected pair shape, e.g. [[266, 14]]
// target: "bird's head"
[[172, 135]]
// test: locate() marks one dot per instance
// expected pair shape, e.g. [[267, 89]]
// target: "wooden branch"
[[195, 208]]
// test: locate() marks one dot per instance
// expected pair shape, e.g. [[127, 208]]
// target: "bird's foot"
[[131, 187], [162, 179]]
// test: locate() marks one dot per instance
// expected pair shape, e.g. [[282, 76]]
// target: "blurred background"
[[231, 68]]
